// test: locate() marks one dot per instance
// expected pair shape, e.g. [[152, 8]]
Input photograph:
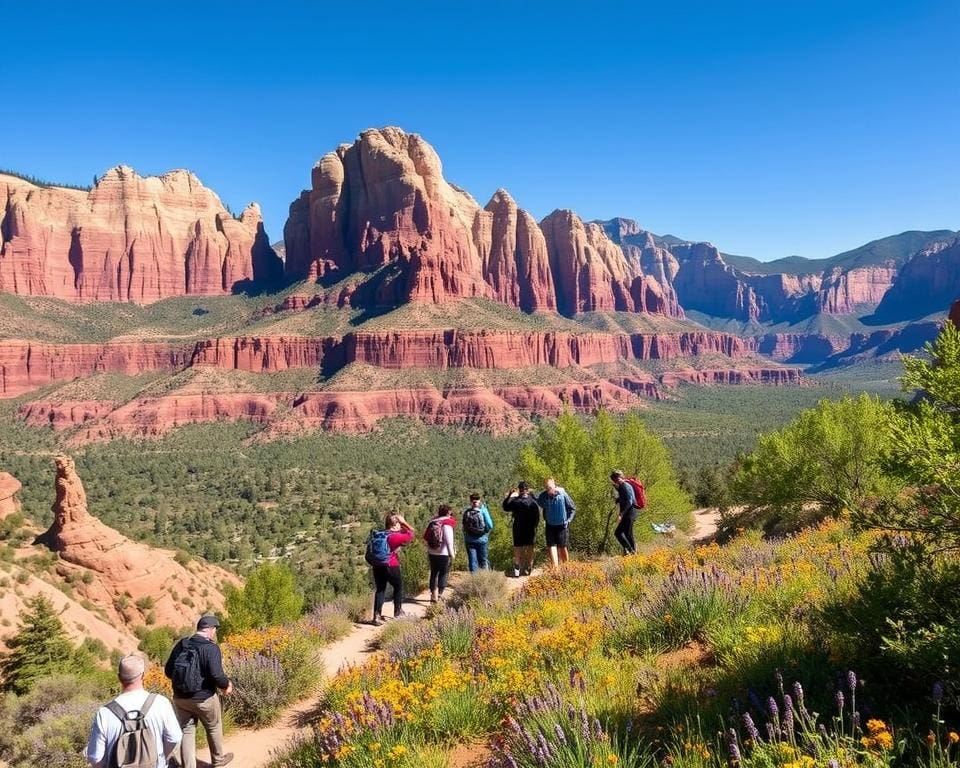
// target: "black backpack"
[[187, 678], [136, 746], [473, 522]]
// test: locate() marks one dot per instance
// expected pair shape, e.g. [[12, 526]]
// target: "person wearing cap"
[[156, 710], [202, 702], [626, 501], [477, 525], [525, 511]]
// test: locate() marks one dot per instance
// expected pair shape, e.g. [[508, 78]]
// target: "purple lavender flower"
[[798, 694], [773, 709], [852, 681], [838, 697], [856, 720], [733, 747], [937, 691], [751, 728], [561, 736]]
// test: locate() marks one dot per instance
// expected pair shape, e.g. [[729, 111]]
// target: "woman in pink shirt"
[[399, 533]]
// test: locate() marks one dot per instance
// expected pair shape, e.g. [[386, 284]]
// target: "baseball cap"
[[130, 668], [522, 485], [208, 620]]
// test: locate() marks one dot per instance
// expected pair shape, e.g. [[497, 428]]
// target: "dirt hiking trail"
[[256, 748]]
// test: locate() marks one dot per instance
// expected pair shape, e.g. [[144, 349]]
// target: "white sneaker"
[[516, 572]]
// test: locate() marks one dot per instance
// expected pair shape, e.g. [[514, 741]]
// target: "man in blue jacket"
[[477, 525], [558, 511]]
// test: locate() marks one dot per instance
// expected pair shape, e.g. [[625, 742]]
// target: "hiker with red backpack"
[[382, 548], [440, 549], [477, 525], [631, 498], [137, 729]]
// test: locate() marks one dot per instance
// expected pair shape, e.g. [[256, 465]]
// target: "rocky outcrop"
[[383, 204], [928, 282], [129, 238], [955, 313], [658, 266], [131, 580], [9, 488]]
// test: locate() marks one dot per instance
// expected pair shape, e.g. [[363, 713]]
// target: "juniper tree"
[[40, 648]]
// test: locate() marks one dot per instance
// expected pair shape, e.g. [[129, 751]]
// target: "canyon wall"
[[129, 238]]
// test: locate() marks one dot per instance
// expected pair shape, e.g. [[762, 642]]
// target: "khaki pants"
[[189, 711]]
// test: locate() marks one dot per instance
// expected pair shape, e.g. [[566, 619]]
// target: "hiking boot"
[[516, 572], [378, 621], [433, 595], [224, 760], [399, 615]]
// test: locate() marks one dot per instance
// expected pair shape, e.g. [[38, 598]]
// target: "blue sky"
[[769, 128]]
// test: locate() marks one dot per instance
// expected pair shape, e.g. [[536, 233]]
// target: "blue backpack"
[[378, 550]]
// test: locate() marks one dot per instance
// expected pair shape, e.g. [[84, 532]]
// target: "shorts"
[[524, 535], [558, 535]]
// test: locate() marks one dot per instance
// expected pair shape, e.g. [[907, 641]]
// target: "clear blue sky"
[[769, 128]]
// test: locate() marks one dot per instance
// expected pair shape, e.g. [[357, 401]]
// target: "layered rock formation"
[[382, 203], [129, 579], [129, 238], [930, 279], [603, 365], [9, 488], [27, 365]]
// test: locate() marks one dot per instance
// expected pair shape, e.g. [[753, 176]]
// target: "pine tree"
[[39, 649]]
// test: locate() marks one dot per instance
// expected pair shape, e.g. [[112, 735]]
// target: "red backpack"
[[639, 493]]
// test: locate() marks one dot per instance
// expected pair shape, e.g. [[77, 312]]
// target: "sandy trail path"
[[256, 748]]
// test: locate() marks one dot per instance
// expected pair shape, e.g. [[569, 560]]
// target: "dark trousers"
[[624, 533], [439, 568], [383, 575]]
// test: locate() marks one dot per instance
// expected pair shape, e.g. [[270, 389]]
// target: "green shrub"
[[828, 460], [480, 590], [157, 642], [268, 598], [460, 716]]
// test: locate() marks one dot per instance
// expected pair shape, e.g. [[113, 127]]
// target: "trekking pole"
[[606, 531]]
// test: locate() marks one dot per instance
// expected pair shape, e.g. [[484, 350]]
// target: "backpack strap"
[[118, 711], [147, 704]]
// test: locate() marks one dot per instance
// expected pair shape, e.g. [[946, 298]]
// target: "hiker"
[[195, 669], [558, 512], [477, 525], [520, 503], [627, 503], [386, 564], [440, 549], [136, 728]]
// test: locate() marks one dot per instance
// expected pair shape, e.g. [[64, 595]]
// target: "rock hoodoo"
[[129, 238], [133, 581], [9, 488]]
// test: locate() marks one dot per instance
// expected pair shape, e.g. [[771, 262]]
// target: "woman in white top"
[[441, 549]]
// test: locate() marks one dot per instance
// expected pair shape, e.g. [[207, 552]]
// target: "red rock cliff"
[[383, 200], [129, 238]]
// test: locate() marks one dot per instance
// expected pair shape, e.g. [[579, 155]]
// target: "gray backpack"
[[137, 745]]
